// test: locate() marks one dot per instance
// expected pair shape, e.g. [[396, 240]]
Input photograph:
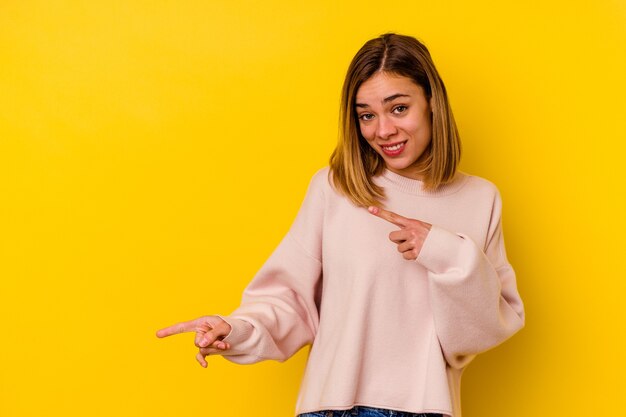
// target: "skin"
[[391, 109], [210, 330], [411, 236]]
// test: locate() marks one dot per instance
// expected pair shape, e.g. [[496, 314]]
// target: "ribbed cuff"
[[240, 330]]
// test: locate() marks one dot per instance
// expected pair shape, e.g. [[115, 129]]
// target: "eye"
[[400, 109], [366, 117]]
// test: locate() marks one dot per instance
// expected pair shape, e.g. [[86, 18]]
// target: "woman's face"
[[395, 119]]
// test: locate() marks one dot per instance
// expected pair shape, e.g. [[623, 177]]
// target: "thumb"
[[217, 332]]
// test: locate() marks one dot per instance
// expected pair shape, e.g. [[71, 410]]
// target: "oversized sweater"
[[385, 332]]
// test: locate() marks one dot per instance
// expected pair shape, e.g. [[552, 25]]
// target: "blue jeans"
[[360, 411]]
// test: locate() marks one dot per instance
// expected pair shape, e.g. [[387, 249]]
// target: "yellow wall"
[[153, 153]]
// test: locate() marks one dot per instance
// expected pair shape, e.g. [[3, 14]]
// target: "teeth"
[[393, 148]]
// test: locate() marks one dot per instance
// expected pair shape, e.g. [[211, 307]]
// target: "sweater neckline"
[[416, 187]]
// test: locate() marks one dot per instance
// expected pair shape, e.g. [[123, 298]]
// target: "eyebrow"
[[385, 100]]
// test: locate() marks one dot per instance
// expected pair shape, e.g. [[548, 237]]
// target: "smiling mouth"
[[394, 148]]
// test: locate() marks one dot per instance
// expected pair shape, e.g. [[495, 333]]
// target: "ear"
[[430, 103]]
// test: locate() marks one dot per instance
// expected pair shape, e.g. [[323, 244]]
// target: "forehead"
[[383, 84]]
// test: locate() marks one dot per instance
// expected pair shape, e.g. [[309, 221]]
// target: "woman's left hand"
[[411, 236]]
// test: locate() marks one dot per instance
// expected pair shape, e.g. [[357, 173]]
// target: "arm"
[[475, 301], [279, 308], [473, 292]]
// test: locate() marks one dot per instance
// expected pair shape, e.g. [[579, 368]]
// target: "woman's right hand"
[[210, 330]]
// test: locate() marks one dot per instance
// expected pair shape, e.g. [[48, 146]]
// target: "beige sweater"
[[385, 332]]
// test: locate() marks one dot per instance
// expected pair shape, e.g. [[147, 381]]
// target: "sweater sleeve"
[[279, 309], [473, 291]]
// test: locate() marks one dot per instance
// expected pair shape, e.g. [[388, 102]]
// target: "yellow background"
[[153, 154]]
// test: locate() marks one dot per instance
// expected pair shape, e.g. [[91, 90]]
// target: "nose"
[[386, 127]]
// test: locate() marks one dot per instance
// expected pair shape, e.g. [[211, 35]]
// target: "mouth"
[[393, 149]]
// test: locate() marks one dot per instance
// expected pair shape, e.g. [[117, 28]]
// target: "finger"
[[206, 351], [218, 344], [399, 236], [210, 351], [218, 332], [405, 246], [201, 360], [409, 255], [390, 216], [200, 337], [178, 328], [221, 345]]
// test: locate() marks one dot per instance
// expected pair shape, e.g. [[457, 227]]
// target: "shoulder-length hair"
[[353, 163]]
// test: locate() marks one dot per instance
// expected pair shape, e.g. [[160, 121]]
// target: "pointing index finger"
[[178, 328], [390, 216]]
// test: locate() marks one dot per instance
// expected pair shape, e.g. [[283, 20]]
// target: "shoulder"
[[321, 187], [478, 185], [322, 174], [317, 189], [321, 180], [482, 190]]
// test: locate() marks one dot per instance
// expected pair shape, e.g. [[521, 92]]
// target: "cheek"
[[412, 125], [367, 132], [420, 129]]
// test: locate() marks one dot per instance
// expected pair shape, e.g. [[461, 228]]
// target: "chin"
[[398, 165]]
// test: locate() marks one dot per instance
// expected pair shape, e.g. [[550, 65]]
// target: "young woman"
[[394, 269]]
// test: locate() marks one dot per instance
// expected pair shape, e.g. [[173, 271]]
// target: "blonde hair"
[[353, 163]]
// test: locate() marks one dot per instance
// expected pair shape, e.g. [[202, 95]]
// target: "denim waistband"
[[361, 411]]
